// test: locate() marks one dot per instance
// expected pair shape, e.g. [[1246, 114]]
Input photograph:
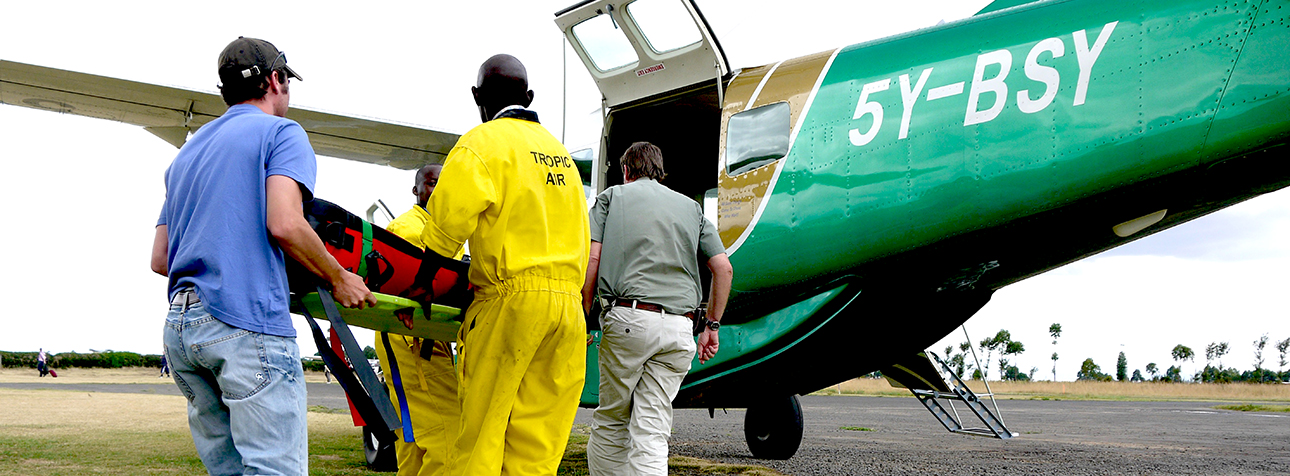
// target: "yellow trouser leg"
[[431, 390], [521, 369]]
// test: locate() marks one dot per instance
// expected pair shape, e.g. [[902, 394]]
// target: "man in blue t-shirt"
[[231, 217]]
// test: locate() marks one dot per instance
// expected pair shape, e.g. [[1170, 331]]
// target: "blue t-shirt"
[[216, 216]]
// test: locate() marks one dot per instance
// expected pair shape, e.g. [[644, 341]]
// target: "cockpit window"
[[604, 43], [666, 24], [757, 137]]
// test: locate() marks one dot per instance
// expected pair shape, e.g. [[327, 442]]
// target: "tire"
[[773, 428], [380, 457]]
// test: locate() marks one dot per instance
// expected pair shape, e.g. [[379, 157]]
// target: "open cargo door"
[[636, 49]]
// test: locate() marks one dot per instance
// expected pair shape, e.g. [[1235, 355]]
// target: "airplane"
[[879, 192]]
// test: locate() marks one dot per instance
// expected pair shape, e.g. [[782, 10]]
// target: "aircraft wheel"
[[774, 428], [380, 457]]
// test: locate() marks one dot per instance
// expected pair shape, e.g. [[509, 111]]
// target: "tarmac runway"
[[899, 436], [1055, 438]]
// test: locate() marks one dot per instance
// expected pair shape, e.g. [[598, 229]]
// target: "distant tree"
[[954, 361], [1122, 368], [960, 363], [1008, 348], [1259, 344], [1055, 330], [1137, 376], [985, 346], [369, 352], [1034, 371], [1091, 371], [1222, 350], [1181, 353], [1282, 347], [1153, 370], [1211, 350], [991, 344], [1013, 373], [1173, 374]]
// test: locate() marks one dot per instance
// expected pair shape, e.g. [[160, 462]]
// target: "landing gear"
[[773, 428], [380, 456]]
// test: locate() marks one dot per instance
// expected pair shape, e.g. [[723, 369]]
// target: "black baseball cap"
[[248, 58]]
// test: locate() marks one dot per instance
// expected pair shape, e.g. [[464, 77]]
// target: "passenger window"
[[604, 43], [710, 200], [757, 137], [666, 25]]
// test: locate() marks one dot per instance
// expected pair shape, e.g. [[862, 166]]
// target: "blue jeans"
[[246, 394]]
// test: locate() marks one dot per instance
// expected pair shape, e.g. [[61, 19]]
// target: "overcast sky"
[[82, 195]]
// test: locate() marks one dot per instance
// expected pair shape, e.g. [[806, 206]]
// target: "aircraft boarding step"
[[925, 375]]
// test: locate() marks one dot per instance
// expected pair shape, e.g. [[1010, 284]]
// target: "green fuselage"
[[975, 125], [929, 169]]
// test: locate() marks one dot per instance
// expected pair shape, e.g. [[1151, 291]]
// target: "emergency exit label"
[[652, 69]]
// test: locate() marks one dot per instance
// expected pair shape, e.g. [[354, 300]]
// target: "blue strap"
[[408, 437]]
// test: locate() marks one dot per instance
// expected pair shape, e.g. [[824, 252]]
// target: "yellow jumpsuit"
[[430, 386], [511, 189]]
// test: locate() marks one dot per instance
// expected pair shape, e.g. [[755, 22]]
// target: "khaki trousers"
[[643, 358]]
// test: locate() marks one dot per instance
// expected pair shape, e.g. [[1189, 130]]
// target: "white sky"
[[83, 194]]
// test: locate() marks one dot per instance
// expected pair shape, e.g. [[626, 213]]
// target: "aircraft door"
[[635, 49]]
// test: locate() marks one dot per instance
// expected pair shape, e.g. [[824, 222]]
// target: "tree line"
[[963, 361]]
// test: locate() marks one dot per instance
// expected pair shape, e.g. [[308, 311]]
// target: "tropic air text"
[[553, 161]]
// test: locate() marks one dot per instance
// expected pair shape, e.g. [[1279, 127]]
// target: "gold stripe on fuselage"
[[791, 82]]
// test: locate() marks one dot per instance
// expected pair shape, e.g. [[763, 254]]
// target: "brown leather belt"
[[646, 306]]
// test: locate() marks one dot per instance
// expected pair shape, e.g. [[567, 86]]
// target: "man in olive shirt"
[[645, 243]]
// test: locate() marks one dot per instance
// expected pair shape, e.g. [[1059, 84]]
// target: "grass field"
[[59, 432], [1086, 390]]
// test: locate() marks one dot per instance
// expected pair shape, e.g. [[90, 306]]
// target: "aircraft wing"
[[172, 113]]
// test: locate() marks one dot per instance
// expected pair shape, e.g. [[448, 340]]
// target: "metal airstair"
[[938, 387]]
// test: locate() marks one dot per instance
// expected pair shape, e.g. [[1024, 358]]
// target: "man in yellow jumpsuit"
[[425, 367], [510, 188]]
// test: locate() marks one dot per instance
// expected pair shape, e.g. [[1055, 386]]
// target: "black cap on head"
[[247, 59]]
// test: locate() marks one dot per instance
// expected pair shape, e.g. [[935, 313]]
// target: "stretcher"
[[440, 325], [404, 279], [388, 263]]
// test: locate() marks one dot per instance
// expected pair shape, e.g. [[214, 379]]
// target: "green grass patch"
[[81, 433], [325, 409], [855, 428], [1249, 407]]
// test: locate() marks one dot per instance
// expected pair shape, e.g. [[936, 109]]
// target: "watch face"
[[714, 325]]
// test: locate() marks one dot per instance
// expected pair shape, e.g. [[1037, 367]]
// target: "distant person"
[[645, 244], [165, 367], [425, 366], [510, 188], [231, 217], [42, 362]]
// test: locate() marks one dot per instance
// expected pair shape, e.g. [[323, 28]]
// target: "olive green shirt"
[[652, 240]]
